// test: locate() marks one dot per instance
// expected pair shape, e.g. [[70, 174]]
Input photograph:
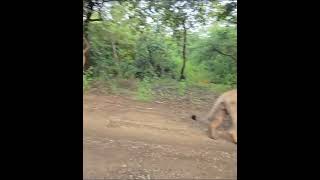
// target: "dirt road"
[[127, 139]]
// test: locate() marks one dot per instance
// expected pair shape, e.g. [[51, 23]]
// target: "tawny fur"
[[225, 104]]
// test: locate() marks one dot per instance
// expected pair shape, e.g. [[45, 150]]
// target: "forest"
[[150, 67], [147, 48]]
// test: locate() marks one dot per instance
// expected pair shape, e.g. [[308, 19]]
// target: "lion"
[[224, 105]]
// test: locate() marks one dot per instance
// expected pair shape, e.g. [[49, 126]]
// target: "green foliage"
[[220, 88], [153, 58], [182, 88], [197, 73], [87, 79], [128, 51], [144, 92], [216, 55]]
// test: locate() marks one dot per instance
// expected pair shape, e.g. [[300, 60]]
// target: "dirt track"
[[127, 139]]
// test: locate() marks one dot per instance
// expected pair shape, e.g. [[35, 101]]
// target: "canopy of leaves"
[[139, 39]]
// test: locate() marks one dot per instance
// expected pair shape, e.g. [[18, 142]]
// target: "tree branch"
[[91, 20], [220, 52]]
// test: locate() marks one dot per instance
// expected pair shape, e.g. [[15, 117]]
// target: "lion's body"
[[225, 104]]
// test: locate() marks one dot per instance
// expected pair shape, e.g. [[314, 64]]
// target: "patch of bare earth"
[[127, 139]]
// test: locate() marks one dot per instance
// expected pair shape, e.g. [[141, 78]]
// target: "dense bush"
[[124, 45]]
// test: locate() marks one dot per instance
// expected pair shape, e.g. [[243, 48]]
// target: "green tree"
[[218, 52]]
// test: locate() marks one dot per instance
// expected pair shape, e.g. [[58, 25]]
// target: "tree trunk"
[[88, 17], [150, 58], [86, 48], [114, 51], [115, 55], [85, 31], [184, 57], [86, 55]]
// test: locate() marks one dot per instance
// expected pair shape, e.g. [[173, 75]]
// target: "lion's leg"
[[232, 110], [218, 119], [234, 135], [233, 132]]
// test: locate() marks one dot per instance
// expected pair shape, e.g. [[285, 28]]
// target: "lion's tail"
[[212, 112]]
